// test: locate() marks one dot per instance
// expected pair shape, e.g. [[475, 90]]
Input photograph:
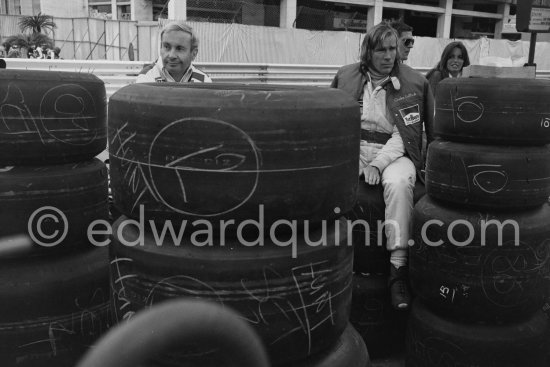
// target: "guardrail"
[[117, 74]]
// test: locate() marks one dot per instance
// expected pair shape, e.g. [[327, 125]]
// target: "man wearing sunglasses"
[[406, 41]]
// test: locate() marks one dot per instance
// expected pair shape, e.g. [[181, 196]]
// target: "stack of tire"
[[481, 259], [54, 295], [226, 169]]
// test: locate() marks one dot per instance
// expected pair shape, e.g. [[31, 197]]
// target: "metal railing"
[[117, 74]]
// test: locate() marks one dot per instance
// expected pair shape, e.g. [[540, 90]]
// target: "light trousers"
[[398, 181]]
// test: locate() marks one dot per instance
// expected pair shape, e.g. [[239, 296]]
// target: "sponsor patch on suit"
[[411, 114]]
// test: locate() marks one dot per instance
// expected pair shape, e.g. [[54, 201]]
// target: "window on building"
[[424, 24], [103, 8], [476, 5], [418, 2], [472, 27], [160, 9], [10, 7], [36, 6], [320, 15], [124, 12], [100, 11], [251, 12], [17, 6]]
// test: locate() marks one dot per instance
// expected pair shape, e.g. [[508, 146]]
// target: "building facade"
[[58, 8], [430, 18]]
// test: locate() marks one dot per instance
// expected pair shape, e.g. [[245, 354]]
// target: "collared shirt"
[[374, 114], [159, 74], [374, 117]]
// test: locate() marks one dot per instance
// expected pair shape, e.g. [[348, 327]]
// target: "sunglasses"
[[409, 42]]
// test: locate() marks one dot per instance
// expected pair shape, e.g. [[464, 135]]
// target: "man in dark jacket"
[[405, 42], [396, 104]]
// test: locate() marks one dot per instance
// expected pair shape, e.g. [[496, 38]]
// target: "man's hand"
[[372, 175]]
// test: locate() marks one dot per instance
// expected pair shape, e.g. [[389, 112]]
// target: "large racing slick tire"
[[52, 309], [298, 300], [53, 205], [52, 286], [174, 323], [349, 351], [472, 175], [480, 267], [222, 151], [433, 341], [493, 111], [49, 117]]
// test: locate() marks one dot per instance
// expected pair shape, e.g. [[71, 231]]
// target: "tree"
[[28, 40], [36, 23], [25, 40]]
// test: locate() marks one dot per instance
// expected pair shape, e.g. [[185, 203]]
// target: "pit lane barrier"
[[117, 74]]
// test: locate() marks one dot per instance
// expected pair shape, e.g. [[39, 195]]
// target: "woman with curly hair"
[[453, 59]]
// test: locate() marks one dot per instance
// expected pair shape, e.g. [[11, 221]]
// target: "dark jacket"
[[414, 97], [434, 76]]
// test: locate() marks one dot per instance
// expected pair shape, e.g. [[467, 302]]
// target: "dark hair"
[[446, 55], [2, 64], [373, 39], [400, 26]]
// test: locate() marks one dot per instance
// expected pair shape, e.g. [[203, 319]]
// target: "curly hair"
[[446, 55], [373, 39]]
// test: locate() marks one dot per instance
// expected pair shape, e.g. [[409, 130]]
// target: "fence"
[[117, 74], [85, 38], [95, 39]]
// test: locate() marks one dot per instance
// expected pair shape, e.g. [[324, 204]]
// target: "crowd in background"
[[33, 52]]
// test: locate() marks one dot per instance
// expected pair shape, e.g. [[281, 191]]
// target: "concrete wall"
[[26, 7], [142, 9], [177, 9]]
